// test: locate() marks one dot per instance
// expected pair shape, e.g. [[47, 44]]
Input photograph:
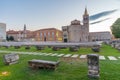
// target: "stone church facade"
[[77, 32]]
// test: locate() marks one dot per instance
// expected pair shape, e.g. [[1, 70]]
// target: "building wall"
[[50, 34], [20, 36], [100, 36], [14, 35], [2, 31]]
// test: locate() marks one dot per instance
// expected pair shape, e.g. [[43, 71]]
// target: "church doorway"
[[65, 40]]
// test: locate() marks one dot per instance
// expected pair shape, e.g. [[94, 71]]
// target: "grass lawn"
[[67, 70]]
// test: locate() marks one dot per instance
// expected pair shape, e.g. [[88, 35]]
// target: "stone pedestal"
[[93, 65]]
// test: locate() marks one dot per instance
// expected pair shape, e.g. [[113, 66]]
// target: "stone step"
[[60, 55], [112, 58], [67, 55], [102, 57], [118, 57], [83, 56], [54, 54], [41, 53], [48, 54], [75, 56]]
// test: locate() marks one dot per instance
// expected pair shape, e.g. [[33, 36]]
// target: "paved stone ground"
[[60, 55]]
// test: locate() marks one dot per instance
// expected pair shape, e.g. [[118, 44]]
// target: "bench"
[[43, 64]]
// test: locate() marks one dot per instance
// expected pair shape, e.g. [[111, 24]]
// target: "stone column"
[[93, 65]]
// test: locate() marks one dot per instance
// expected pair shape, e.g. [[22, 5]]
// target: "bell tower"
[[86, 19], [85, 26], [24, 32]]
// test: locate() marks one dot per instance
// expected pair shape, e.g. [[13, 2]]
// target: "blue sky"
[[37, 14]]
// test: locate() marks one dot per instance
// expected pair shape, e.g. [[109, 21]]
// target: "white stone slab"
[[41, 54], [44, 54], [48, 54], [19, 52], [118, 57], [83, 56], [26, 53], [54, 54], [60, 55], [34, 54], [37, 54], [67, 55], [75, 56], [101, 57], [112, 58]]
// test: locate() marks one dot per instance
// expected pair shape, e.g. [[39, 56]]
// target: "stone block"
[[74, 49], [39, 47], [55, 48], [6, 46], [11, 58], [43, 64], [96, 48], [27, 47], [16, 47]]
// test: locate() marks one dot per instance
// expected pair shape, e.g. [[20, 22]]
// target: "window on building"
[[65, 35], [40, 37], [41, 34], [48, 33], [52, 33], [44, 34], [86, 37], [64, 29]]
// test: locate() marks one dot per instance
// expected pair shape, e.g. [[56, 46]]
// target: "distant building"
[[23, 35], [20, 36], [49, 34], [100, 36], [77, 32], [2, 32], [14, 34]]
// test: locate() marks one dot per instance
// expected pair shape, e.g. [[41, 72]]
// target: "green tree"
[[7, 38], [11, 38], [115, 28]]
